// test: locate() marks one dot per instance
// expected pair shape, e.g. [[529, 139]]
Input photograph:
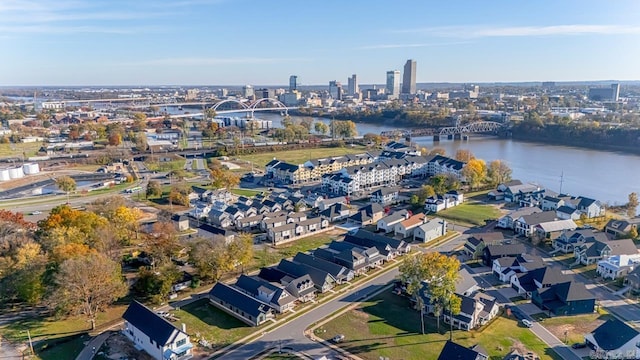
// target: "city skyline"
[[203, 42]]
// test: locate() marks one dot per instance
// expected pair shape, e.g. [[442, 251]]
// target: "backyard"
[[385, 326], [471, 213], [271, 255], [301, 155]]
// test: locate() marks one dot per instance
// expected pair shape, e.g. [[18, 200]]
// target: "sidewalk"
[[93, 346]]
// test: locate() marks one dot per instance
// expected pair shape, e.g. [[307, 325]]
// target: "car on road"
[[37, 212], [338, 338], [579, 346], [527, 323]]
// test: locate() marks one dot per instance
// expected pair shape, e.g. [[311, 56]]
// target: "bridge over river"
[[452, 132]]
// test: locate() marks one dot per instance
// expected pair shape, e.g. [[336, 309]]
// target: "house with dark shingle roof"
[[525, 224], [367, 215], [277, 297], [619, 228], [506, 267], [544, 277], [155, 335], [593, 251], [322, 280], [476, 242], [301, 287], [614, 340], [240, 305], [492, 252], [340, 273], [453, 351], [387, 246], [568, 240], [566, 298]]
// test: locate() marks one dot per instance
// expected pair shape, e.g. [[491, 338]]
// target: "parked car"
[[527, 323], [579, 345], [338, 338], [37, 212]]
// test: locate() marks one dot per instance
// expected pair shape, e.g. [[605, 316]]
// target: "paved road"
[[93, 346], [291, 335]]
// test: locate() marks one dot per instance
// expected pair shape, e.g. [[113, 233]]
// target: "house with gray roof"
[[614, 339], [300, 287], [551, 229], [568, 240], [292, 231], [526, 283], [621, 228], [340, 273], [432, 229], [239, 304], [385, 196], [508, 220], [155, 335], [506, 267], [453, 351], [388, 223], [525, 224], [476, 242], [565, 298], [592, 251], [367, 215], [322, 280], [388, 247], [276, 297], [491, 252], [336, 212]]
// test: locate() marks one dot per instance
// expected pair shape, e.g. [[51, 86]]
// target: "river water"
[[604, 175]]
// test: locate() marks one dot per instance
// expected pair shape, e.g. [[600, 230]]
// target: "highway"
[[291, 334]]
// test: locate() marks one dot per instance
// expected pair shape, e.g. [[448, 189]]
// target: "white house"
[[155, 335], [388, 223], [430, 230], [405, 228], [385, 196], [617, 266]]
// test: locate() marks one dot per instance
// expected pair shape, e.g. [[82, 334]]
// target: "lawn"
[[176, 164], [17, 150], [301, 155], [61, 348], [575, 326], [283, 356], [271, 255], [205, 321], [475, 214], [385, 326], [245, 192]]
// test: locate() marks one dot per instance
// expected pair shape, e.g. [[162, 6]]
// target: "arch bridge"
[[475, 127]]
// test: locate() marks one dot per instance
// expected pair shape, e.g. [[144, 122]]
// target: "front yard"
[[470, 213], [385, 326]]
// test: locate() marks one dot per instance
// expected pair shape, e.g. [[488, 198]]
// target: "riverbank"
[[578, 143]]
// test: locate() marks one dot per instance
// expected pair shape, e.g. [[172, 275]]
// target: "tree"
[[210, 258], [86, 285], [475, 171], [155, 285], [115, 139], [439, 274], [154, 189], [498, 172], [321, 128], [240, 250], [464, 155], [632, 205], [179, 195], [442, 183], [162, 243], [425, 192], [633, 233], [141, 142], [66, 184]]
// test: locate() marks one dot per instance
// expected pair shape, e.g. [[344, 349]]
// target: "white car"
[[37, 212], [527, 323]]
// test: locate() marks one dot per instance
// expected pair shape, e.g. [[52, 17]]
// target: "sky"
[[258, 42]]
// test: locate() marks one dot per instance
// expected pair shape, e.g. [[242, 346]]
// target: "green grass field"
[[385, 326], [212, 324], [475, 214], [302, 155], [245, 192], [575, 326], [270, 256], [17, 150]]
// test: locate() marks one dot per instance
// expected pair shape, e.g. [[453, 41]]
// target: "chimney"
[[184, 328]]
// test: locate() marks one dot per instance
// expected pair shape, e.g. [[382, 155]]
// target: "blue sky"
[[234, 42]]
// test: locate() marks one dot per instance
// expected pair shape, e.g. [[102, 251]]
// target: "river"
[[604, 175]]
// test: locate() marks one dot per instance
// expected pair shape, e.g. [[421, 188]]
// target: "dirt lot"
[[118, 347]]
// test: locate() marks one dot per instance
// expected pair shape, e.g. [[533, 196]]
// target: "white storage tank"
[[16, 173], [4, 175], [31, 168]]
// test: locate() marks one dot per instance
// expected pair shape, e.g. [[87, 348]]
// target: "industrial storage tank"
[[16, 173], [31, 168], [4, 175]]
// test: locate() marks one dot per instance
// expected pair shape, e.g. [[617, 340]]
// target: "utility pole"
[[561, 180]]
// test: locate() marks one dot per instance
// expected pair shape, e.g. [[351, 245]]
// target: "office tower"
[[335, 90], [409, 77], [353, 87], [293, 83], [393, 84], [611, 93], [247, 91]]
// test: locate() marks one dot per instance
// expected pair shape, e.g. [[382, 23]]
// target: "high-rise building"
[[611, 93], [293, 83], [247, 91], [335, 90], [353, 86], [393, 84], [409, 77]]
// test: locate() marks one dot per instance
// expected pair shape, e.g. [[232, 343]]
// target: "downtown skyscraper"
[[353, 87], [409, 77], [393, 84]]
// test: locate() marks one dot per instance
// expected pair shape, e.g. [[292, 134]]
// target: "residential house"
[[441, 202], [405, 228], [633, 279], [371, 254], [385, 196], [296, 230], [552, 203], [453, 351], [276, 297], [273, 220], [621, 228], [551, 229], [617, 266], [221, 195], [249, 223], [508, 220], [388, 247], [240, 305], [543, 277], [340, 273], [492, 252], [182, 283], [220, 218], [498, 193], [388, 223], [200, 210], [336, 212], [181, 222], [565, 298], [474, 312], [568, 240], [217, 233], [525, 224], [476, 242], [614, 340], [432, 229], [592, 252], [367, 215], [324, 204], [322, 280], [507, 267], [301, 287], [524, 194], [350, 259], [155, 335], [297, 216]]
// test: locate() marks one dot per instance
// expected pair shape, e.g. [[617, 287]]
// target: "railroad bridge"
[[455, 132]]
